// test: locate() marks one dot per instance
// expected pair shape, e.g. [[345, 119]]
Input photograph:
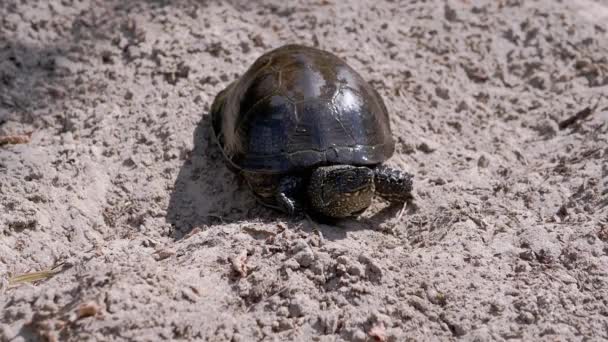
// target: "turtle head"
[[341, 190]]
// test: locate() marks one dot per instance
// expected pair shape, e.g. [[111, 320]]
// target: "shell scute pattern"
[[298, 107]]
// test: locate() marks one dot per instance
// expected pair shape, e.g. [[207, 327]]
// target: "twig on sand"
[[401, 211], [31, 277], [15, 139], [580, 115]]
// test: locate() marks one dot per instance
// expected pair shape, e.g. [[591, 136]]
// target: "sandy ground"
[[507, 237]]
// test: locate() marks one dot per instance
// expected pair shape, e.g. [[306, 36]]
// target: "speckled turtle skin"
[[295, 109]]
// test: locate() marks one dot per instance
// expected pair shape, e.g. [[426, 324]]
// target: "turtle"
[[308, 134]]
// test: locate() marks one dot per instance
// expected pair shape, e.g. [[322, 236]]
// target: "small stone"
[[522, 267], [546, 128], [295, 310], [449, 13], [341, 269], [359, 336], [372, 270], [562, 212], [457, 329], [328, 322], [538, 82], [475, 73], [462, 106], [245, 47], [544, 248], [342, 259], [106, 57], [436, 297], [282, 325], [283, 311], [497, 307], [527, 255], [526, 317], [442, 93], [355, 270], [544, 257], [291, 264], [548, 331], [244, 289], [239, 263], [408, 148], [418, 305], [437, 181], [566, 278], [543, 302], [87, 310], [391, 300], [163, 253], [258, 41], [483, 162], [305, 258], [318, 268], [427, 146], [299, 246]]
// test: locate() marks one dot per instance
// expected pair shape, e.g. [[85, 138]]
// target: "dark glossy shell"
[[298, 107]]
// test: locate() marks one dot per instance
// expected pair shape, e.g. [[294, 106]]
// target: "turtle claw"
[[288, 194], [287, 204]]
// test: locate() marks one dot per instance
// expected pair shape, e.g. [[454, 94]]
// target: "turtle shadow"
[[206, 193]]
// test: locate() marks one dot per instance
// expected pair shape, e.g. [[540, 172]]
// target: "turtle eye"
[[350, 176]]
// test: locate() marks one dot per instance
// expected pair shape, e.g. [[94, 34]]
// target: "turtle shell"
[[299, 107]]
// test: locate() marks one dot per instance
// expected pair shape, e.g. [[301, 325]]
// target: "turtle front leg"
[[393, 185], [289, 194]]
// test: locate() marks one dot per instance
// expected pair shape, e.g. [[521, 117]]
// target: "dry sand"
[[507, 238]]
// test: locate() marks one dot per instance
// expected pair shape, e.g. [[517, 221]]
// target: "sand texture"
[[108, 173]]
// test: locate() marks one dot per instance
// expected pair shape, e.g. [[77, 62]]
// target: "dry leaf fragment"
[[378, 332], [16, 139], [32, 277]]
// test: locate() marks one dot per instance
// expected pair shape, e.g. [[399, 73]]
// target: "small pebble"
[[163, 253], [87, 310], [359, 336], [305, 258], [483, 162], [291, 264], [296, 310], [427, 147]]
